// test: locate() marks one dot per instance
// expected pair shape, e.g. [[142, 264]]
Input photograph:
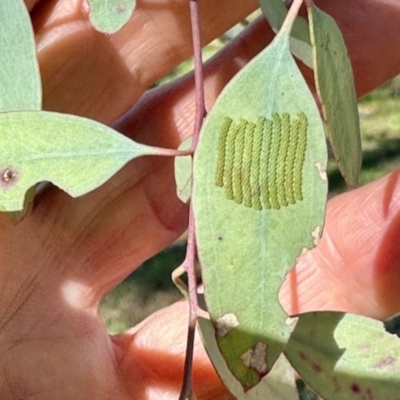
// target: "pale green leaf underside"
[[20, 84], [183, 172], [76, 154], [335, 87], [275, 12], [110, 15], [278, 384], [244, 251], [346, 357]]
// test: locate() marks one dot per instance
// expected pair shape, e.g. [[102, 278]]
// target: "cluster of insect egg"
[[260, 165]]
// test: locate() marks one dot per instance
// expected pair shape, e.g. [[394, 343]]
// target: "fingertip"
[[356, 266], [154, 355]]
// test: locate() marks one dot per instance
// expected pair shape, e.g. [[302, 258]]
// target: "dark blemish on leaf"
[[355, 388], [220, 238], [8, 176], [120, 9], [316, 367], [387, 361], [256, 358], [303, 356]]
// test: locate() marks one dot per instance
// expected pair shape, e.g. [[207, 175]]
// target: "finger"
[[356, 266], [153, 358], [81, 79], [100, 76]]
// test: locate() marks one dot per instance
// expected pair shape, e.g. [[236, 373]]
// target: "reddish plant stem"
[[200, 112], [190, 260]]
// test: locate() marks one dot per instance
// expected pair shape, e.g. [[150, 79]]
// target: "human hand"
[[57, 264]]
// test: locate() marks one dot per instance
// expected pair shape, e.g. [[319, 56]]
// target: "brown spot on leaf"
[[370, 395], [303, 356], [355, 388], [316, 367], [120, 8], [385, 362], [8, 176]]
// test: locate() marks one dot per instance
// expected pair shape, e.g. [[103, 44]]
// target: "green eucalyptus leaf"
[[20, 84], [275, 12], [346, 357], [74, 153], [337, 94], [259, 199], [110, 15], [183, 172], [278, 384]]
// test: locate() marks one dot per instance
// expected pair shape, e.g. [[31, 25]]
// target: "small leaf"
[[76, 154], [279, 384], [275, 12], [259, 199], [110, 15], [20, 84], [183, 172], [346, 357], [336, 91]]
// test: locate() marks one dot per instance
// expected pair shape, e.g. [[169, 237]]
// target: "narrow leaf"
[[344, 356], [336, 91], [275, 12], [110, 15], [20, 84], [76, 154], [259, 200]]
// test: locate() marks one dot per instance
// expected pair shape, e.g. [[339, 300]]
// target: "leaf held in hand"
[[259, 200], [76, 154]]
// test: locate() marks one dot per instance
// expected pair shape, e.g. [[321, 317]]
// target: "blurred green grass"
[[150, 287]]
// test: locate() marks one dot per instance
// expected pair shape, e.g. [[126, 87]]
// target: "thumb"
[[153, 358], [356, 266]]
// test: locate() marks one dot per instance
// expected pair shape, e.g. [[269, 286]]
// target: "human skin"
[[58, 263]]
